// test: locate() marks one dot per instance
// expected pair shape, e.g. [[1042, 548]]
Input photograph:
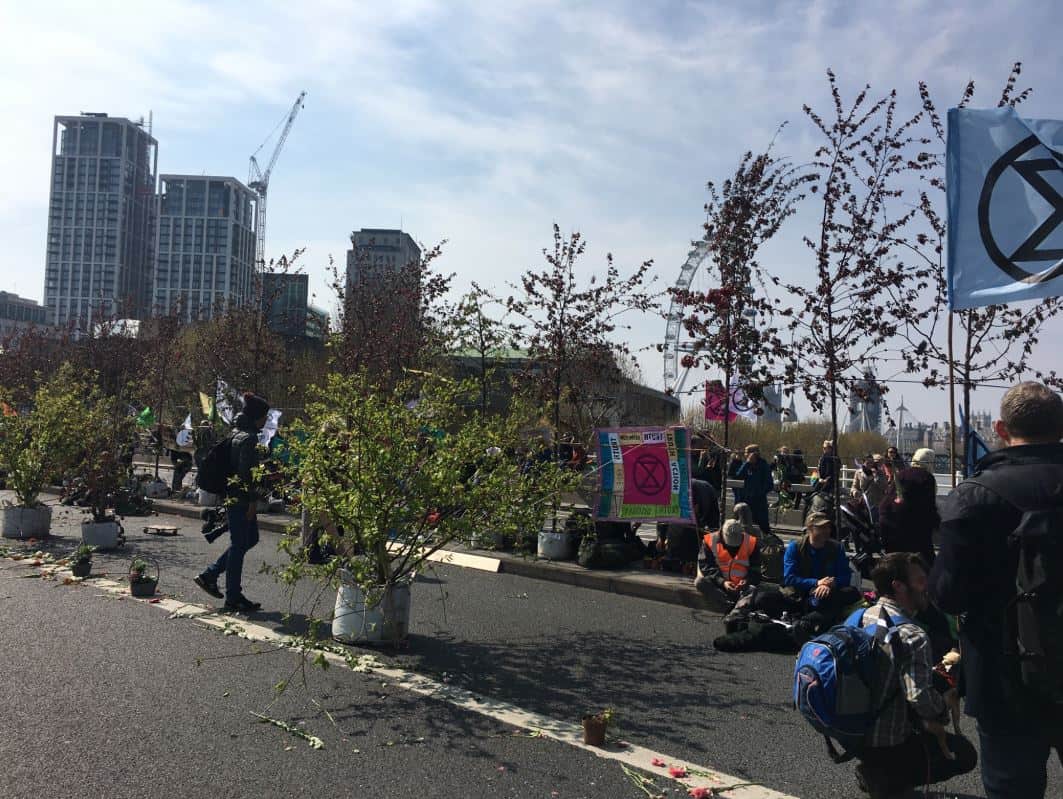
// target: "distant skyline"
[[483, 124]]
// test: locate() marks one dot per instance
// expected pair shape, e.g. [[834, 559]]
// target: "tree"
[[390, 316], [840, 325], [479, 338], [567, 327], [995, 341], [729, 326]]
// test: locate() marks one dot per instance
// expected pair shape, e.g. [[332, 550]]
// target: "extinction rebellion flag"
[[1005, 198], [644, 474]]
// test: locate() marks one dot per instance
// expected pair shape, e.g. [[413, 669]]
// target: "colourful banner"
[[716, 399], [644, 475]]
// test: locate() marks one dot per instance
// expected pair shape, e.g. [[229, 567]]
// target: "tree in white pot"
[[104, 433], [391, 476], [37, 444]]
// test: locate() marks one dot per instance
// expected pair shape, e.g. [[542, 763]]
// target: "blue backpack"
[[834, 682]]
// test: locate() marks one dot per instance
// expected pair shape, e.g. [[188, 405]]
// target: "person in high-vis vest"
[[729, 562]]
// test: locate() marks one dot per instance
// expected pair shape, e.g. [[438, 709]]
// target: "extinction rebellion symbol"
[[651, 475], [1031, 172]]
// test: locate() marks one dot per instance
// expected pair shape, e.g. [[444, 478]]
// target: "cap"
[[817, 519]]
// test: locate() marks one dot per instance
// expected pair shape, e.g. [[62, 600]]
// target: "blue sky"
[[483, 123]]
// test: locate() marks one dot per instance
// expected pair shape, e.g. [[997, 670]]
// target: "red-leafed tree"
[[840, 324], [729, 327]]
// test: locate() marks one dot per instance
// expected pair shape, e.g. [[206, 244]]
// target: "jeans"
[[1014, 763], [919, 761], [243, 534]]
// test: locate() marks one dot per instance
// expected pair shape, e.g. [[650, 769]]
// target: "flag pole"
[[952, 406]]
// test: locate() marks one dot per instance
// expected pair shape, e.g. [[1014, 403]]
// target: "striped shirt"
[[906, 682]]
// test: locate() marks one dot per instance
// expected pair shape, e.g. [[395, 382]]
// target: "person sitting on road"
[[729, 560], [816, 570], [908, 745]]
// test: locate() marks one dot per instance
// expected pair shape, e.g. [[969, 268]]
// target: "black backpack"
[[217, 468], [1033, 622]]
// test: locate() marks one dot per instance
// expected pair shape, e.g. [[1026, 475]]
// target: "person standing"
[[828, 469], [908, 516], [241, 508], [757, 483], [976, 572]]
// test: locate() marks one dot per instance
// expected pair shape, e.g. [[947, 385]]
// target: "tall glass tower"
[[101, 220], [205, 261]]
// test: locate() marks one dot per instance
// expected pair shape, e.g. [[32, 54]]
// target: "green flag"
[[146, 418]]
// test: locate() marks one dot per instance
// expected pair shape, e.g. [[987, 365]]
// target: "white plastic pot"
[[102, 535], [19, 522], [555, 546], [387, 620], [207, 499]]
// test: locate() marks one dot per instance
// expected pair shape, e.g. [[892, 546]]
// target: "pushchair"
[[859, 529]]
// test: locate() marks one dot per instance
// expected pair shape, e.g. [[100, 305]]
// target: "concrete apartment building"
[[286, 303], [19, 313], [205, 248], [379, 248], [101, 220]]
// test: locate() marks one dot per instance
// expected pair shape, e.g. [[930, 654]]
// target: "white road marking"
[[565, 732]]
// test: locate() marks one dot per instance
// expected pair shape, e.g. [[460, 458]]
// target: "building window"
[[218, 199], [173, 198], [195, 198]]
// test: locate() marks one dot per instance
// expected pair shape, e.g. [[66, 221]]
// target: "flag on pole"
[[716, 399], [207, 404], [1005, 202], [146, 418], [222, 406], [269, 429]]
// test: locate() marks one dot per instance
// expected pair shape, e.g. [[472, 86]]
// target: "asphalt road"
[[545, 647]]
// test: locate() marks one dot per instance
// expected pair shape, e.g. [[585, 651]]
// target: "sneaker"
[[242, 604], [208, 585]]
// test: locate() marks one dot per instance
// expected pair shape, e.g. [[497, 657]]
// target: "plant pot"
[[208, 500], [102, 535], [386, 620], [82, 569], [19, 522], [556, 546], [594, 730], [143, 586]]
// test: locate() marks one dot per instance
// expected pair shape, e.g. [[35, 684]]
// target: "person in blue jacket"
[[755, 472], [816, 570]]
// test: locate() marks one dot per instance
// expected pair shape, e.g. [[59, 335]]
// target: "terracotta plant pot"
[[81, 569], [594, 730]]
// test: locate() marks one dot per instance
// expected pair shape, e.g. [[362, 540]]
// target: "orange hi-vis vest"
[[734, 569]]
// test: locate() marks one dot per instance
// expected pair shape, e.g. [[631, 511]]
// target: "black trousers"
[[918, 761]]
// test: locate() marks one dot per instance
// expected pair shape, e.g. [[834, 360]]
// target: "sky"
[[483, 124]]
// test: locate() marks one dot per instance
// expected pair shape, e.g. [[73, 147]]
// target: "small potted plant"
[[140, 582], [81, 560], [595, 726]]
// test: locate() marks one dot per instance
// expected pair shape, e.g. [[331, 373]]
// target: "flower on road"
[[677, 771], [658, 762]]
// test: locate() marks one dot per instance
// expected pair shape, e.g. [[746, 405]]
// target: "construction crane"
[[258, 180]]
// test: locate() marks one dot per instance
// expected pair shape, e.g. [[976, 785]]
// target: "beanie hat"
[[255, 406], [924, 459], [732, 532]]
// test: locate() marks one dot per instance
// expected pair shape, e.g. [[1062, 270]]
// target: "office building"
[[18, 313], [206, 246], [284, 301], [379, 249], [101, 220]]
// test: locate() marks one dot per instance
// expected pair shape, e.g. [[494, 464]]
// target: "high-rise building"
[[206, 246], [285, 298], [378, 248], [101, 220]]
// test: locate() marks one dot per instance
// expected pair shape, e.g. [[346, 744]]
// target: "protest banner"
[[643, 475]]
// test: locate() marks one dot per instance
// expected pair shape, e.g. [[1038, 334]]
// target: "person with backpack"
[[235, 457], [907, 744], [1001, 564]]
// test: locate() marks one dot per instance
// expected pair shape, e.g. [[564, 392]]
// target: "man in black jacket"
[[241, 505], [975, 574]]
